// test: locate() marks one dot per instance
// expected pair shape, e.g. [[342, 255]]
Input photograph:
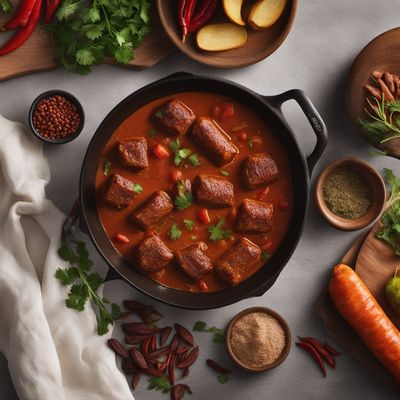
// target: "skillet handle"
[[315, 120]]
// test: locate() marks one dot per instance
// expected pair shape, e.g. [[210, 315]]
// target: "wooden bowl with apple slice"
[[259, 45]]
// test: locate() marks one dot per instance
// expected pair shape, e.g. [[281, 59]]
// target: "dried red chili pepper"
[[171, 371], [23, 33], [306, 346], [185, 12], [320, 348], [331, 350], [217, 367], [51, 8], [203, 15], [21, 17]]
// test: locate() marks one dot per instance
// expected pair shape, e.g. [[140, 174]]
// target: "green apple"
[[393, 292]]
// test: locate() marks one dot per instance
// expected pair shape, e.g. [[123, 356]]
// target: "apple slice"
[[233, 10], [219, 37], [265, 13]]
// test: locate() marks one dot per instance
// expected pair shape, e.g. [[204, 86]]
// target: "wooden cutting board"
[[37, 54], [375, 262]]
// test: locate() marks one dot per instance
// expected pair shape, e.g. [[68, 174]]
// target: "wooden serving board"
[[375, 262], [37, 54]]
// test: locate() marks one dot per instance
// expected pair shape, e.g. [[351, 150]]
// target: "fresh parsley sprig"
[[184, 199], [217, 232], [87, 32], [175, 233], [84, 285], [160, 383], [182, 154], [218, 334], [390, 231]]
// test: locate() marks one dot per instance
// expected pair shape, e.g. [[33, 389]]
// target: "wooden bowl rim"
[[374, 179], [240, 62], [285, 352], [350, 88]]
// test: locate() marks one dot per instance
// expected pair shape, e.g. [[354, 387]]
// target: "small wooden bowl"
[[376, 183], [285, 352], [382, 54], [260, 44]]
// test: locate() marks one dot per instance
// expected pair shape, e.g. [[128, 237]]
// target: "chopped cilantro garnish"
[[175, 233], [189, 224], [106, 167], [137, 188], [217, 232]]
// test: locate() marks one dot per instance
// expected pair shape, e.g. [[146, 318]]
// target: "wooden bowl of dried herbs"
[[350, 194]]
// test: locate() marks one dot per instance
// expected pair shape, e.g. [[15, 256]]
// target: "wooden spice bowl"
[[378, 197], [288, 339]]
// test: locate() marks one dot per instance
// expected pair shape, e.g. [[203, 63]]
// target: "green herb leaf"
[[390, 231], [224, 173], [265, 256], [219, 334], [189, 224], [184, 198], [223, 378], [159, 114], [152, 133], [217, 232], [194, 160], [83, 284], [87, 32], [106, 167], [175, 233], [250, 142], [137, 188], [160, 383], [6, 6], [115, 311], [193, 237], [180, 154]]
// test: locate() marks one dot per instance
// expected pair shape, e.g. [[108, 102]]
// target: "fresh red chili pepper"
[[306, 346], [51, 8], [21, 17], [321, 350], [331, 350], [23, 33], [203, 15], [185, 12]]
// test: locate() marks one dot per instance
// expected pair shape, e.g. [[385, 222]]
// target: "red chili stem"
[[203, 15], [21, 17], [306, 346], [185, 12], [331, 350], [23, 33], [51, 8], [321, 350]]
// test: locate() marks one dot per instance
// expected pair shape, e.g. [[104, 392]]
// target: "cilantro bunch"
[[87, 32], [84, 284], [5, 6]]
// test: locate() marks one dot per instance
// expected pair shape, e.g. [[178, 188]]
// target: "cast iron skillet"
[[268, 108]]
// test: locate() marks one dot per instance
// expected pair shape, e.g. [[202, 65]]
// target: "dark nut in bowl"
[[56, 117], [258, 339]]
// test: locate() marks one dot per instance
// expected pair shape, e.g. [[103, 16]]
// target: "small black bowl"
[[72, 99]]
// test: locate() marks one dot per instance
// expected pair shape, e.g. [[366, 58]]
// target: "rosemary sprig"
[[383, 120]]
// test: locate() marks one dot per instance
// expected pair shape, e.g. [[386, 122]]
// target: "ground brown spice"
[[347, 193], [257, 339]]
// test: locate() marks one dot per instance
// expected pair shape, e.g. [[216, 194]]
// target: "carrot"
[[360, 309]]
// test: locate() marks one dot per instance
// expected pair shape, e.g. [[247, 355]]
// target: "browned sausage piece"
[[119, 191], [213, 141], [153, 254], [254, 216], [194, 262], [153, 210], [181, 187], [175, 117], [237, 260], [133, 153], [213, 191], [260, 169]]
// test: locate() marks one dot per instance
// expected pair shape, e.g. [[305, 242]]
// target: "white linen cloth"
[[53, 352]]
